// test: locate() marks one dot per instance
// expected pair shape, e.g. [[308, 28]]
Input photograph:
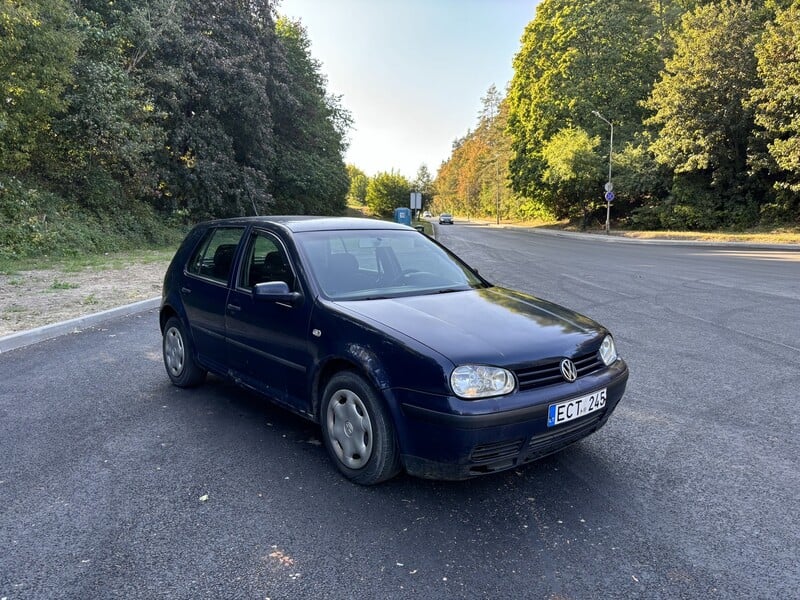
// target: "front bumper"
[[457, 439]]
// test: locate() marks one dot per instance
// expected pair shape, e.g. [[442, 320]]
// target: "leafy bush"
[[34, 222], [387, 191], [531, 210], [785, 210]]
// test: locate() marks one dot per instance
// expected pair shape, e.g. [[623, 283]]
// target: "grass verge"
[[106, 261]]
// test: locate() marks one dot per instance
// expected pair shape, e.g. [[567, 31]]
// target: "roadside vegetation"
[[703, 97], [120, 122]]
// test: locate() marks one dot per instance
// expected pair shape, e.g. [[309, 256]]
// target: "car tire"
[[178, 353], [358, 431]]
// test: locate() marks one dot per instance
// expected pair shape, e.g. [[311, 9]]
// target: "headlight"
[[608, 352], [478, 381]]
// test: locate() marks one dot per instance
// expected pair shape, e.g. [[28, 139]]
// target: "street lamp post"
[[609, 185]]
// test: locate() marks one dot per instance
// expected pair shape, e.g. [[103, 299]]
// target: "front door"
[[268, 341]]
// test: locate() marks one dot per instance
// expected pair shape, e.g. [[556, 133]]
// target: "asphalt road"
[[114, 484]]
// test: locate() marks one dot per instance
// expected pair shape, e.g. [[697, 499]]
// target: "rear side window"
[[213, 257]]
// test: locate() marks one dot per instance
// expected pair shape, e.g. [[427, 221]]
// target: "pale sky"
[[411, 72]]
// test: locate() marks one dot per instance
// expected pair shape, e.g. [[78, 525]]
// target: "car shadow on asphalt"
[[296, 443]]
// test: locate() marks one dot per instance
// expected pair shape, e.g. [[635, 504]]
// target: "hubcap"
[[349, 429], [174, 352]]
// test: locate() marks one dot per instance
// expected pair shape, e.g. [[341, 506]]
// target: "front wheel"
[[358, 431], [178, 354]]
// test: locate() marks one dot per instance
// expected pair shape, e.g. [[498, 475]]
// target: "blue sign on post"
[[609, 196]]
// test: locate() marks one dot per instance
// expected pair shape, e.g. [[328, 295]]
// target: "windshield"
[[368, 264]]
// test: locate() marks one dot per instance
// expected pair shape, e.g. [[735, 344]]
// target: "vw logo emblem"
[[568, 370]]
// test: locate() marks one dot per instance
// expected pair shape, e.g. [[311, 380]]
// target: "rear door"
[[205, 293]]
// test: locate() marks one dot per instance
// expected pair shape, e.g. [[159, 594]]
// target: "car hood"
[[490, 326]]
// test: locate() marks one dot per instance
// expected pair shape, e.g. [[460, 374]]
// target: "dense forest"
[[704, 99], [121, 120]]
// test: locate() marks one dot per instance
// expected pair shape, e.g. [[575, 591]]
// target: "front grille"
[[563, 435], [495, 451], [549, 372], [498, 456]]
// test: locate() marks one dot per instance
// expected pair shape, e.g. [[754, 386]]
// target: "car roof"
[[297, 223]]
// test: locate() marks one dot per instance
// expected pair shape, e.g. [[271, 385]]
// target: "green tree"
[[572, 167], [423, 183], [700, 106], [777, 107], [387, 191], [309, 175], [110, 129], [358, 184], [640, 184], [250, 129], [216, 78], [576, 58], [39, 42], [668, 14]]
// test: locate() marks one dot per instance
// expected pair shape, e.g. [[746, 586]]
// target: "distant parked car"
[[404, 355], [445, 218], [427, 214]]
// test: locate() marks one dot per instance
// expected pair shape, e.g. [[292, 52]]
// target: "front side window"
[[213, 257], [265, 260], [364, 264]]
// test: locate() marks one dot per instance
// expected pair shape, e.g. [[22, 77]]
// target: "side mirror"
[[275, 291]]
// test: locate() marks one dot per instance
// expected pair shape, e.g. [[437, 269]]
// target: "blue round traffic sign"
[[609, 196]]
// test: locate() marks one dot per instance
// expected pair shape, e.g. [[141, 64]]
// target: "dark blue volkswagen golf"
[[404, 355]]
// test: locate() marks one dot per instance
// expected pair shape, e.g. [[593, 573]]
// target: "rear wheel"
[[178, 354], [358, 431]]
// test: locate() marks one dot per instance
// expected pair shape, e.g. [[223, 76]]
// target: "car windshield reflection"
[[380, 264]]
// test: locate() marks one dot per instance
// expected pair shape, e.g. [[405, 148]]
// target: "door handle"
[[185, 290], [234, 307]]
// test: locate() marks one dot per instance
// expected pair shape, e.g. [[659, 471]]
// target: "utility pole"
[[609, 195]]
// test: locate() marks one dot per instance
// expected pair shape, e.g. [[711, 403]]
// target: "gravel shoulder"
[[36, 297]]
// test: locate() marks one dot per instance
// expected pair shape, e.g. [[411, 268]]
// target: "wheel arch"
[[325, 373], [357, 359], [167, 312], [384, 459]]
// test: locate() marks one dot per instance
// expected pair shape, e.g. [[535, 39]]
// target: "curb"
[[615, 239], [46, 332]]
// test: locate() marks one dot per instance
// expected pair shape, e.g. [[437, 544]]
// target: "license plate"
[[575, 408]]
